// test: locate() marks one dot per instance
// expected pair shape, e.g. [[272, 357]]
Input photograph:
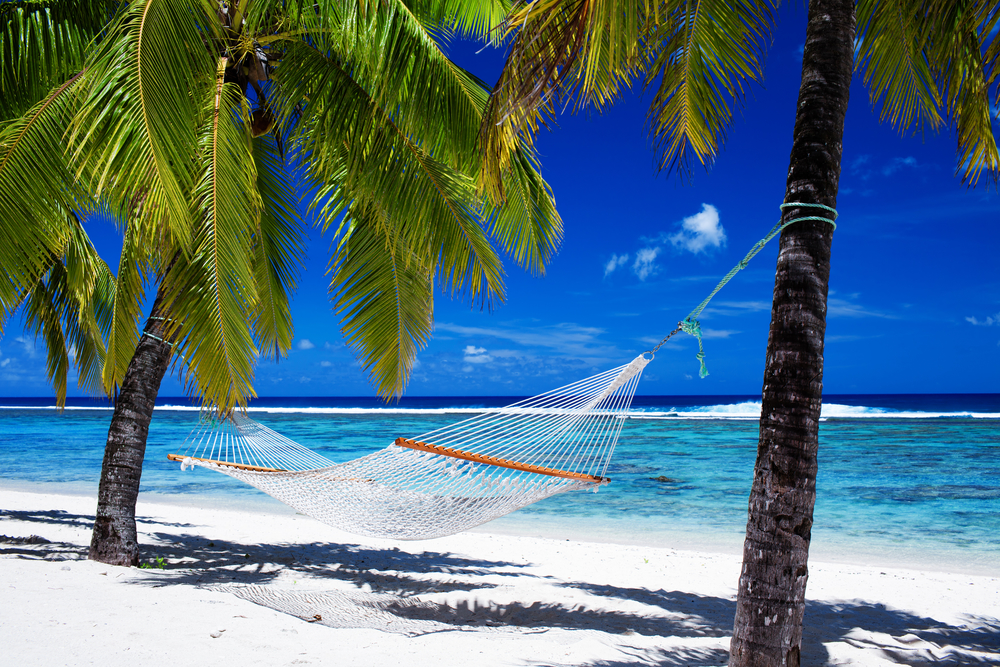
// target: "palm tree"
[[193, 121], [925, 61]]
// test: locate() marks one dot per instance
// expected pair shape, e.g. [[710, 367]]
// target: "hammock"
[[442, 482]]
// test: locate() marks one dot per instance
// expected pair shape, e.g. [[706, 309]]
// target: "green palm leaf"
[[126, 307], [36, 192], [214, 287], [384, 295], [136, 131], [895, 66], [706, 51], [42, 44], [278, 248]]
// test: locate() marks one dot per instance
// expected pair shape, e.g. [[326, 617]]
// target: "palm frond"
[[356, 150], [66, 309], [126, 295], [42, 44], [136, 131], [475, 19], [581, 51], [214, 287], [962, 49], [384, 296], [279, 249], [706, 53], [396, 61], [894, 63], [527, 226], [36, 192]]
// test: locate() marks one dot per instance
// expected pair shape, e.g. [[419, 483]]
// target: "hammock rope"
[[458, 476], [691, 325]]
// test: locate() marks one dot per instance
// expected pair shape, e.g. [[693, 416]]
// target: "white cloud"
[[306, 344], [988, 322], [645, 262], [700, 231], [304, 379], [325, 364], [327, 345], [29, 346], [837, 307], [3, 364], [717, 333], [616, 262], [476, 355], [898, 163]]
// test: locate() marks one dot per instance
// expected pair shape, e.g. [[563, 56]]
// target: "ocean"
[[907, 480]]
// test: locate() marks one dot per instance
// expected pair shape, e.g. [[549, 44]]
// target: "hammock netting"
[[442, 482]]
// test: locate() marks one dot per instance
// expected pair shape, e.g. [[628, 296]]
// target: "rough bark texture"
[[771, 599], [114, 540]]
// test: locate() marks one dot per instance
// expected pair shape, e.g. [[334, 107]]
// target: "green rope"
[[691, 325]]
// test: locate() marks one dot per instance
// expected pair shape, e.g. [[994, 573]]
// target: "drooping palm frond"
[[356, 150], [136, 131], [384, 296], [42, 44], [891, 54], [126, 306], [278, 249], [37, 190], [213, 287], [479, 20], [706, 51], [69, 309], [527, 226], [962, 48]]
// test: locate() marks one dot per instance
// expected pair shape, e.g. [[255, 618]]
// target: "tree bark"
[[771, 600], [114, 540]]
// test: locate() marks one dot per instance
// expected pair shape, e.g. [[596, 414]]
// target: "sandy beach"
[[227, 587]]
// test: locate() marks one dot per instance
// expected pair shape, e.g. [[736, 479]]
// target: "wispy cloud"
[[991, 320], [717, 333], [565, 339], [847, 307], [616, 262], [645, 262], [700, 232], [898, 163], [305, 344], [735, 308]]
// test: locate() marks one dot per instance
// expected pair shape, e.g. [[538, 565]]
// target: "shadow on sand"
[[381, 588]]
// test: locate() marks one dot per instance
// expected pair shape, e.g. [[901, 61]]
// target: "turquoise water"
[[910, 484]]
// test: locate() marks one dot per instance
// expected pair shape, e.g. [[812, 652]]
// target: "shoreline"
[[272, 588], [825, 548]]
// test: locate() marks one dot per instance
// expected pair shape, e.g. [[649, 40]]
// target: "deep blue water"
[[913, 479]]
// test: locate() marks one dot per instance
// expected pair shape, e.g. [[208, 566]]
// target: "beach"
[[224, 586]]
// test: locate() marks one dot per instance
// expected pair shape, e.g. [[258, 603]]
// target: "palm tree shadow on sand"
[[387, 589]]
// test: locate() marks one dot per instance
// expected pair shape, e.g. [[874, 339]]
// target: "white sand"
[[470, 600]]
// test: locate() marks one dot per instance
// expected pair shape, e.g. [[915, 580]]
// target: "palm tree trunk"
[[771, 599], [114, 540]]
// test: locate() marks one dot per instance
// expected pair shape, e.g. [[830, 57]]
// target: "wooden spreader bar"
[[495, 461], [241, 466]]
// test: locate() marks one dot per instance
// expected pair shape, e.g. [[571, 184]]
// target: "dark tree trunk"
[[114, 540], [771, 600]]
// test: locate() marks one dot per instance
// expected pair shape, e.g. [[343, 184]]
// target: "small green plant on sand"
[[159, 563]]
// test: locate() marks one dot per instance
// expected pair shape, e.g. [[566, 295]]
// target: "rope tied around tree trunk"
[[691, 325]]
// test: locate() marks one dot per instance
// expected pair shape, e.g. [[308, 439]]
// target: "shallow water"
[[902, 480]]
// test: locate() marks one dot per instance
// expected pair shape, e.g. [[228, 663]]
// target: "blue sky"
[[914, 289]]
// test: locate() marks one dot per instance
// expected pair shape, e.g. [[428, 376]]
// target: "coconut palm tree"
[[925, 62], [196, 123]]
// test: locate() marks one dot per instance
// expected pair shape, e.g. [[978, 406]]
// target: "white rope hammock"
[[442, 482]]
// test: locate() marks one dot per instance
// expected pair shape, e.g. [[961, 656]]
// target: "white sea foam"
[[748, 410]]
